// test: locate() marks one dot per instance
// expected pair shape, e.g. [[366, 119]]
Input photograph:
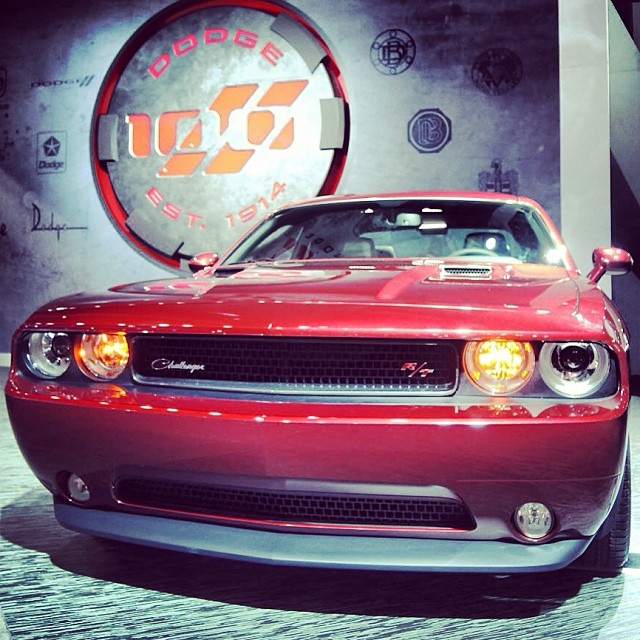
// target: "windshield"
[[508, 232]]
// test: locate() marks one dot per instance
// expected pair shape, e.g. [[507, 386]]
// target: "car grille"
[[274, 507], [275, 365]]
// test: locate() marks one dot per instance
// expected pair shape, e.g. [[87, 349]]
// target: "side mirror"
[[615, 262], [204, 260]]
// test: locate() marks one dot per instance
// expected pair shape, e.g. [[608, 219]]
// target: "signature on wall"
[[51, 225]]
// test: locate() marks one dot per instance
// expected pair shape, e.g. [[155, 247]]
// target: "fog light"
[[78, 489], [534, 520]]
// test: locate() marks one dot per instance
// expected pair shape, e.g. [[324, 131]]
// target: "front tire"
[[609, 550]]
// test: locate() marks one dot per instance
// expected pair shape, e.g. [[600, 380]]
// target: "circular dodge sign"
[[212, 115]]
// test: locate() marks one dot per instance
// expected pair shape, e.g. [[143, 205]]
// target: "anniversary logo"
[[213, 115]]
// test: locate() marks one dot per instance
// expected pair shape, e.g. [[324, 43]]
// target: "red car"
[[417, 381]]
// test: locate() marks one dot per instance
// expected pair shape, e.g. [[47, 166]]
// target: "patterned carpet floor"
[[55, 584]]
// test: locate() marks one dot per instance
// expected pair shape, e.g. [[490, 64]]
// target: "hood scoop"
[[466, 272]]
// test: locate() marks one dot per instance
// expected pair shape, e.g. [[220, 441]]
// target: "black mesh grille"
[[295, 507], [304, 365]]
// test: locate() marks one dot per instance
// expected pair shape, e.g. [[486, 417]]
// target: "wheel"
[[609, 550]]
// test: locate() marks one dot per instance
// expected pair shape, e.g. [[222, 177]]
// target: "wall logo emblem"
[[51, 152], [260, 129], [51, 147], [68, 82], [498, 180], [429, 131], [211, 117], [497, 71], [393, 51]]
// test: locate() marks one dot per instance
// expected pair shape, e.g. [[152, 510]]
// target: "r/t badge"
[[417, 369]]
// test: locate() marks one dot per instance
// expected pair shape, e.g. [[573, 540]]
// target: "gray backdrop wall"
[[436, 95]]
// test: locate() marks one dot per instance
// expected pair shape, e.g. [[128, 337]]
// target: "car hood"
[[437, 300]]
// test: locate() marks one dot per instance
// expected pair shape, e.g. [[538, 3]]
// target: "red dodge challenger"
[[413, 381]]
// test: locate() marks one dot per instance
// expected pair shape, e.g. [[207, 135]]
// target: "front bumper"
[[309, 550], [492, 456]]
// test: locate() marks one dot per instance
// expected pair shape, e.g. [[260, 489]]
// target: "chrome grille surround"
[[297, 365]]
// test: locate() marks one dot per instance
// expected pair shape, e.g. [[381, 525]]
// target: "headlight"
[[499, 367], [574, 369], [48, 354], [103, 356]]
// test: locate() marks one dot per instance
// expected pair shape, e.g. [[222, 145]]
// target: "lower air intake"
[[294, 506]]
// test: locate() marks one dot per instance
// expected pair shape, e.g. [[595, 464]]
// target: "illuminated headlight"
[[48, 354], [499, 367], [103, 356], [574, 369]]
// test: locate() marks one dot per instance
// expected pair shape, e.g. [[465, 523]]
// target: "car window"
[[411, 229]]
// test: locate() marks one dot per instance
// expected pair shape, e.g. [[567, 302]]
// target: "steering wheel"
[[473, 251]]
